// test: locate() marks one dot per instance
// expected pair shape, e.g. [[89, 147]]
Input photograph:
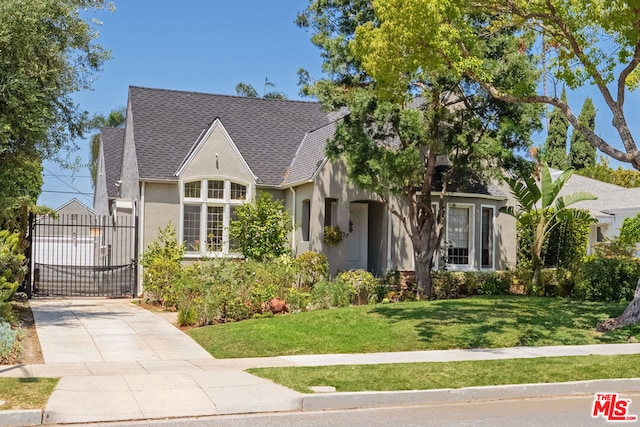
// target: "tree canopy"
[[48, 51], [555, 147], [417, 37], [247, 90], [431, 133], [582, 154]]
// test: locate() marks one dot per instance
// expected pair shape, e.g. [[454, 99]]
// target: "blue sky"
[[195, 45], [210, 46]]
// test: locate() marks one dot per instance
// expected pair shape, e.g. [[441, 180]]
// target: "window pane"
[[215, 215], [458, 236], [238, 191], [487, 238], [216, 189], [233, 245], [192, 189], [191, 228]]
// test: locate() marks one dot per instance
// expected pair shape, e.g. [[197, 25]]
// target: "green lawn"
[[436, 375], [26, 393], [478, 322]]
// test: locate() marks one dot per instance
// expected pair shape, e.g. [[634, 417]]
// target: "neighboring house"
[[192, 158], [612, 206], [63, 240]]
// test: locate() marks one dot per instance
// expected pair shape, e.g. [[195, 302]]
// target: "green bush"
[[162, 266], [311, 267], [298, 299], [565, 246], [494, 283], [327, 294], [8, 341], [260, 228], [12, 271], [449, 284], [360, 283], [607, 279]]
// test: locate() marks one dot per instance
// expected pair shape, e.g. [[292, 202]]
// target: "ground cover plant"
[[26, 393], [438, 375], [476, 322]]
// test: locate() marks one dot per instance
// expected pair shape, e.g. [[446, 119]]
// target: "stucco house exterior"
[[612, 206], [191, 158]]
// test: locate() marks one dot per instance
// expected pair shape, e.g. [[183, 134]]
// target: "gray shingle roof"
[[112, 145], [267, 132], [610, 197], [310, 155]]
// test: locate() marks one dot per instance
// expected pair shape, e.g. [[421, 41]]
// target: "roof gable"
[[208, 148]]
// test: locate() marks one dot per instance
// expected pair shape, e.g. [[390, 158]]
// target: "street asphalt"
[[119, 362]]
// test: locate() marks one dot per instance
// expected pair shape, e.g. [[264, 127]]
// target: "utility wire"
[[73, 187]]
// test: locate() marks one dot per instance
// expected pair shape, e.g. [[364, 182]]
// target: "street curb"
[[21, 417], [381, 399]]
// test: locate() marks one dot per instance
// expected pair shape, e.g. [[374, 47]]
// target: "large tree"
[[582, 154], [554, 152], [115, 118], [595, 43], [416, 141], [47, 52]]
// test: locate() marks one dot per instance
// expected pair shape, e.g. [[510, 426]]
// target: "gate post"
[[28, 281]]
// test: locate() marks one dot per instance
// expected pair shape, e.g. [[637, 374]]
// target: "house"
[[613, 205], [191, 158], [63, 240]]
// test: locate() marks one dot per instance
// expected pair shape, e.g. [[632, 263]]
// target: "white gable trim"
[[199, 143]]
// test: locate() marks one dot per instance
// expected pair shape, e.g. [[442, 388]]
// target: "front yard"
[[477, 322]]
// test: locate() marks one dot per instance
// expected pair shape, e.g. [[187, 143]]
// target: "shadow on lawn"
[[485, 322]]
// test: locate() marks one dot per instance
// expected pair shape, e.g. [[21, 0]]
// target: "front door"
[[358, 235]]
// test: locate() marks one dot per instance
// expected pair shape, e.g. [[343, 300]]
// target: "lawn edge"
[[381, 399]]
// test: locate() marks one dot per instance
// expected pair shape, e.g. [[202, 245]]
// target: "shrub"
[[494, 283], [607, 279], [564, 246], [327, 294], [298, 300], [162, 267], [311, 267], [12, 270], [187, 313], [361, 283], [447, 285], [260, 228], [8, 341]]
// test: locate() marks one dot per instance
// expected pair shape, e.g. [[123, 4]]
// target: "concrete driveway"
[[86, 331], [121, 362]]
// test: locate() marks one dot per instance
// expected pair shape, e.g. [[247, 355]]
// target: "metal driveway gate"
[[76, 255]]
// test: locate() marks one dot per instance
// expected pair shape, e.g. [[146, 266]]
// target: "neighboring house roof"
[[74, 206], [112, 145], [166, 123], [611, 199]]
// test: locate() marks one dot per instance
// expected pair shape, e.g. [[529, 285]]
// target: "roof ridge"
[[223, 95]]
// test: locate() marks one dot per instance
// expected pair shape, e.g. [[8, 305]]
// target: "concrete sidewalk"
[[121, 362]]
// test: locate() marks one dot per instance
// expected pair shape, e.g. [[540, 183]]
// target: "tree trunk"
[[423, 278], [630, 316]]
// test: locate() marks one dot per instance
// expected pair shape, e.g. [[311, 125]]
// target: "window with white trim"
[[458, 235], [207, 206]]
